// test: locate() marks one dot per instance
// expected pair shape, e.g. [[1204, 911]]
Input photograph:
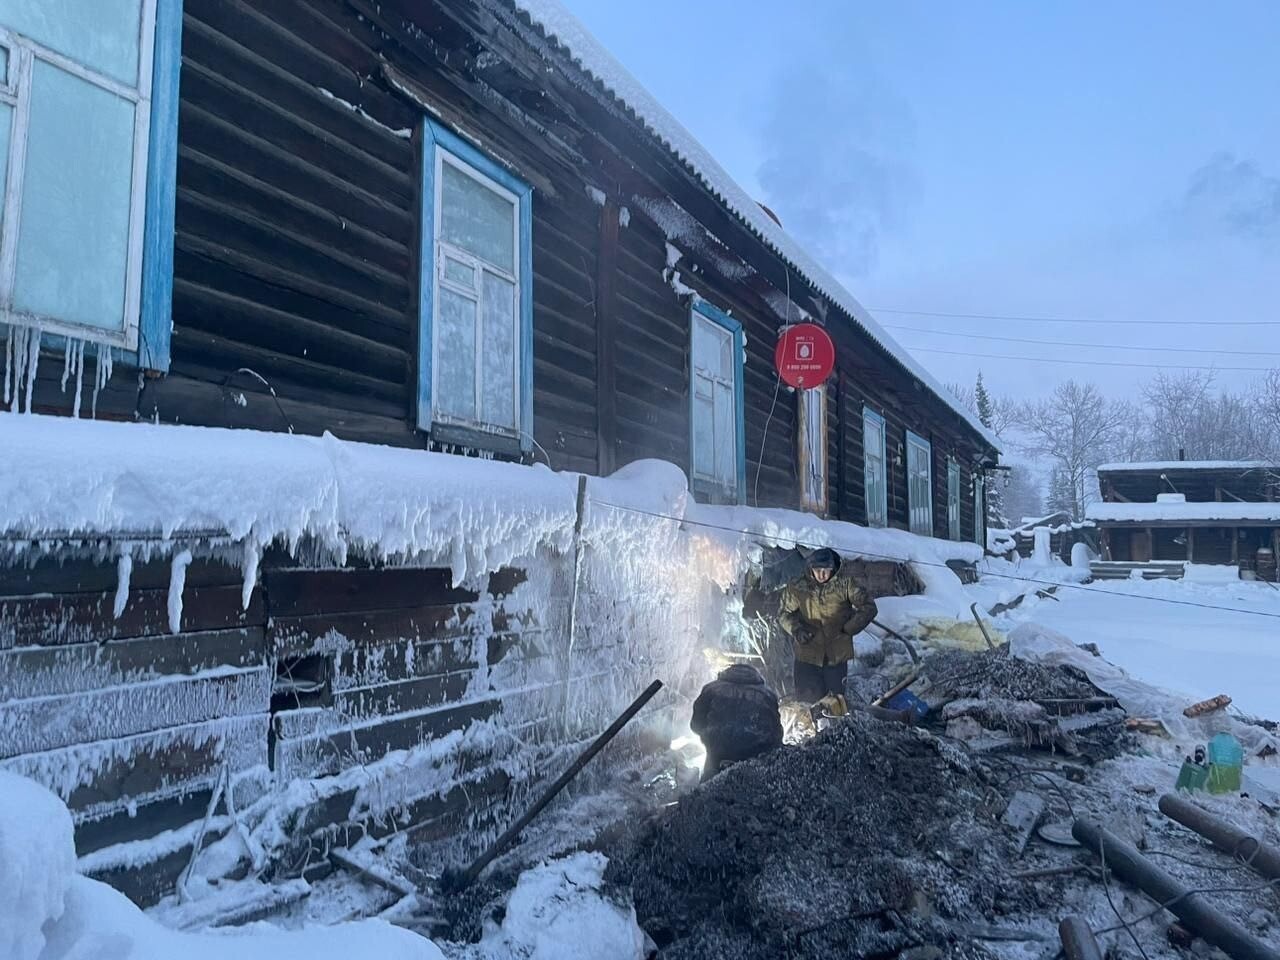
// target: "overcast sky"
[[1114, 162]]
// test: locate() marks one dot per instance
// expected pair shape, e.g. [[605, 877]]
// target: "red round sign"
[[805, 356]]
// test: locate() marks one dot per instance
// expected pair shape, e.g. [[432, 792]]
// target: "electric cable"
[[1087, 346], [1117, 323], [1086, 363], [929, 563]]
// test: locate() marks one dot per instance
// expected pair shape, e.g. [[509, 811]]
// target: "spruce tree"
[[995, 481]]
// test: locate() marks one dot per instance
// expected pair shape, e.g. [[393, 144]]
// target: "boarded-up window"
[[75, 92], [953, 499], [919, 485], [477, 316], [813, 449], [875, 480], [716, 366]]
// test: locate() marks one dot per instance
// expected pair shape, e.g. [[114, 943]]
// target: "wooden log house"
[[1220, 513], [450, 225]]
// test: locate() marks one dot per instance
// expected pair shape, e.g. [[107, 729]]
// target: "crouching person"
[[736, 717]]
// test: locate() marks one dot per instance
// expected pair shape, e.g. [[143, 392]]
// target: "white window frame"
[[813, 456], [920, 515], [444, 252], [23, 52], [878, 511], [717, 383], [953, 498]]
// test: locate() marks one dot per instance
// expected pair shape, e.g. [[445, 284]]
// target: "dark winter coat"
[[736, 717], [823, 618]]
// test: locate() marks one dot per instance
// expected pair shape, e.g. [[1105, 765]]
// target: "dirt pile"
[[869, 840], [994, 701]]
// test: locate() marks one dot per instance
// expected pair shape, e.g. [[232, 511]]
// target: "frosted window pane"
[[4, 66], [703, 438], [460, 273], [726, 436], [476, 219], [455, 331], [74, 235], [708, 350], [101, 34], [498, 398]]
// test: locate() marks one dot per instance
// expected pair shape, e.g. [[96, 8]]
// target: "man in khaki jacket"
[[822, 612]]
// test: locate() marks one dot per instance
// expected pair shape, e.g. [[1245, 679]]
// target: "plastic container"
[[1226, 764], [1192, 776]]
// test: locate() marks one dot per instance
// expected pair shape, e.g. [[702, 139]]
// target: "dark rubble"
[[871, 839]]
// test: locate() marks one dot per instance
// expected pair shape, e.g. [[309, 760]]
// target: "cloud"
[[835, 168], [1234, 196]]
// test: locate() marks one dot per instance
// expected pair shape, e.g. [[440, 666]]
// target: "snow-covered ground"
[[1191, 638]]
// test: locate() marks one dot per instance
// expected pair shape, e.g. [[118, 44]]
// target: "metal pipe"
[[1196, 913], [453, 880], [1078, 941], [1245, 847], [911, 649], [973, 608], [884, 713]]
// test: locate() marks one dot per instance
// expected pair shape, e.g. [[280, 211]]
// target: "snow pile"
[[559, 911], [37, 860], [142, 481], [1211, 572], [1226, 510], [49, 912]]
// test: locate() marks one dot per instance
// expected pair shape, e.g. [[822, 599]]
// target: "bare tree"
[[1075, 430], [1022, 495], [1189, 416], [998, 414]]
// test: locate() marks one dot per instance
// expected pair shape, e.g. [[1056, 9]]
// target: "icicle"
[[33, 361], [8, 359], [177, 581], [124, 570], [250, 568], [66, 361], [75, 409], [15, 354], [102, 373]]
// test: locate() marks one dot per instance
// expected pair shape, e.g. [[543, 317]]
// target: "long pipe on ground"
[[1196, 913], [973, 608], [1078, 941], [1227, 837], [453, 879]]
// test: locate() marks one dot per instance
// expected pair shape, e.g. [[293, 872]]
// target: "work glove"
[[805, 636]]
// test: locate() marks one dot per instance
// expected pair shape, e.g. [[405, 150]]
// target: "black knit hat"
[[823, 558]]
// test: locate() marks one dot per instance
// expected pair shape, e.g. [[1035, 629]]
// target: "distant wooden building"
[[1203, 512]]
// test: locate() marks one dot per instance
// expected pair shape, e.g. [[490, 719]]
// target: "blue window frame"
[[88, 141], [919, 485], [717, 421], [875, 471], [475, 308]]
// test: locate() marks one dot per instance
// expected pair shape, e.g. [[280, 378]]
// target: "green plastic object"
[[1226, 763], [1192, 776]]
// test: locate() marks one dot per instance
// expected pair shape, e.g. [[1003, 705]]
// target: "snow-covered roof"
[[1176, 511], [1153, 465], [564, 29]]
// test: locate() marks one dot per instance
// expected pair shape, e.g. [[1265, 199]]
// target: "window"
[[88, 147], [980, 509], [919, 485], [716, 398], [953, 499], [875, 478], [813, 449], [475, 352]]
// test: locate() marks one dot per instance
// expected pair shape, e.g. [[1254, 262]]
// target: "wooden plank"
[[48, 723], [300, 592], [230, 316], [57, 671], [97, 779], [63, 574], [87, 618]]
